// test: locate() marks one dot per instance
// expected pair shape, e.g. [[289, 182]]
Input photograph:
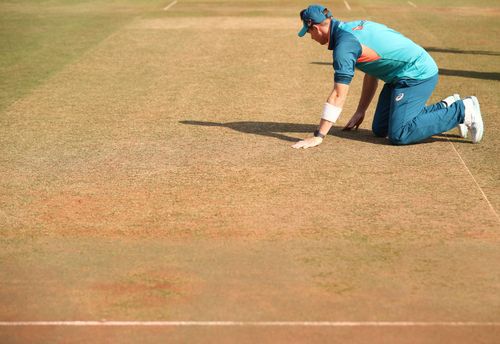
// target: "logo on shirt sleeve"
[[360, 26], [399, 97]]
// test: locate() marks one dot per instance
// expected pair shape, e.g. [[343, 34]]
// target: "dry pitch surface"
[[149, 176]]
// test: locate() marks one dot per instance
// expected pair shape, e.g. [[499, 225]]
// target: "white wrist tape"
[[331, 112]]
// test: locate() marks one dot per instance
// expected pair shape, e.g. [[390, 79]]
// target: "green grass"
[[38, 38]]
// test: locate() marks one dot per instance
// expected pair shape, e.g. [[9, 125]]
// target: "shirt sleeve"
[[346, 52]]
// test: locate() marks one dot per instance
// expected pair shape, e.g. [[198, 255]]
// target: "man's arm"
[[370, 84], [331, 112], [337, 98]]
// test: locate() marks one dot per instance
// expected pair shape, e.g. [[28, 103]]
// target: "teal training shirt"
[[378, 51]]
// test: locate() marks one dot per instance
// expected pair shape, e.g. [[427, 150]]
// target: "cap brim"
[[303, 31]]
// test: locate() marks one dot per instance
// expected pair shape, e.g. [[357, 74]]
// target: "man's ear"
[[315, 28]]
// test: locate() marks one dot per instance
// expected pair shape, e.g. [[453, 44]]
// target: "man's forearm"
[[370, 84], [324, 126], [338, 95], [336, 99]]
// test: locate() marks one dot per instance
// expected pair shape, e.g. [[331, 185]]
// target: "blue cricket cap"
[[314, 14]]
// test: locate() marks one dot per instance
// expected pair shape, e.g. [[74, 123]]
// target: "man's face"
[[317, 34]]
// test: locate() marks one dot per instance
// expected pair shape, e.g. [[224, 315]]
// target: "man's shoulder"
[[346, 44]]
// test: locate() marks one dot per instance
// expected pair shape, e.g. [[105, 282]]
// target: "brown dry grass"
[[153, 179]]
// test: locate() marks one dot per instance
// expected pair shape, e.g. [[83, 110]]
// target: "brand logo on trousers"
[[399, 97]]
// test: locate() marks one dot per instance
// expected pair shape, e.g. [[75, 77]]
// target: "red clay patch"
[[147, 290]]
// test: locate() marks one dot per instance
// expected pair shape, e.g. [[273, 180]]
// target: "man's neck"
[[330, 28]]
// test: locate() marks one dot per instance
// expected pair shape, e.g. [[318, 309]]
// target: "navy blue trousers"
[[403, 117]]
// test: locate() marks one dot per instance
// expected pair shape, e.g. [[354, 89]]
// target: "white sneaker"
[[462, 129], [473, 119], [451, 99]]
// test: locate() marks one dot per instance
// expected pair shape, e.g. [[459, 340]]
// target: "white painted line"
[[170, 5], [251, 323], [475, 181], [412, 4], [347, 5]]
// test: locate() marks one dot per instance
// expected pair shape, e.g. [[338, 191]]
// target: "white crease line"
[[170, 5], [347, 5], [475, 181], [412, 4], [250, 323]]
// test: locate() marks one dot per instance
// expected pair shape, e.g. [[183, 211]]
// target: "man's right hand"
[[355, 120], [308, 143]]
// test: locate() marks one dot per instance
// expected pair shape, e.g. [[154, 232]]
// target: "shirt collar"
[[334, 24]]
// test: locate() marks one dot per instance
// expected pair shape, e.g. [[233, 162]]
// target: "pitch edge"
[[250, 323]]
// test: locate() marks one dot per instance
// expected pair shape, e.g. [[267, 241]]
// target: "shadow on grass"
[[471, 74], [280, 130], [458, 51]]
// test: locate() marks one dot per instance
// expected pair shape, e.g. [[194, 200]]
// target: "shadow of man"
[[269, 129], [279, 131]]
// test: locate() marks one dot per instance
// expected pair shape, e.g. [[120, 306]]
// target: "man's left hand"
[[308, 143], [355, 121]]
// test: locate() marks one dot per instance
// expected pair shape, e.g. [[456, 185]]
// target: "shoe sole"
[[477, 127], [462, 128]]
